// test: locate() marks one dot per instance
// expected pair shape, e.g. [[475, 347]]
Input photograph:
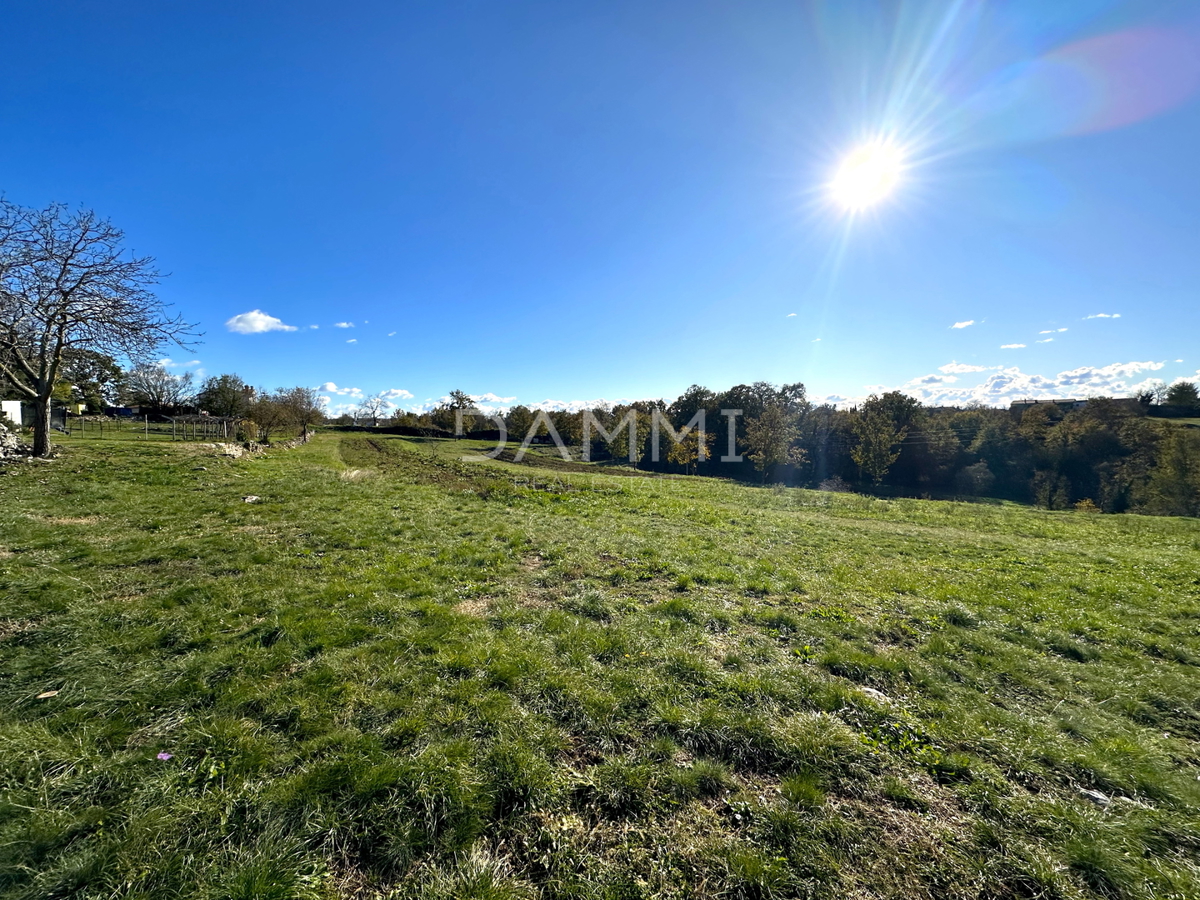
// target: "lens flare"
[[867, 176]]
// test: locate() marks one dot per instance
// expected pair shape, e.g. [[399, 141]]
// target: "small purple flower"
[[164, 756]]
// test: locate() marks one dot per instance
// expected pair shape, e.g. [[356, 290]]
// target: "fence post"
[[147, 432]]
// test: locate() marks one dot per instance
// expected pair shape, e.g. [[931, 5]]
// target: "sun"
[[867, 176]]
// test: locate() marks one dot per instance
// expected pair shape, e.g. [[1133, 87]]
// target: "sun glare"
[[867, 176]]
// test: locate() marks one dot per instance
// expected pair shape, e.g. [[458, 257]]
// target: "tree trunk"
[[41, 428]]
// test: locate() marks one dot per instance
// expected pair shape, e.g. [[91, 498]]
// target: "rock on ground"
[[11, 446]]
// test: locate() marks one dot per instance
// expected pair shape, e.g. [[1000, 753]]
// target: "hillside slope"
[[394, 674]]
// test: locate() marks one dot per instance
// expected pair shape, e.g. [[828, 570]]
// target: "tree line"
[[1104, 455]]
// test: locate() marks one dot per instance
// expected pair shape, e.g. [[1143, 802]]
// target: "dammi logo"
[[628, 424]]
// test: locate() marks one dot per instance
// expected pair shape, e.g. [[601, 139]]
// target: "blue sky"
[[581, 201]]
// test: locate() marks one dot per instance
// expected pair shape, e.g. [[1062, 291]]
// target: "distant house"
[[1018, 407], [20, 413], [11, 410], [23, 415]]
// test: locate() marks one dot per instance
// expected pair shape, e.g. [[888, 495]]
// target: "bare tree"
[[151, 385], [66, 282], [1152, 392], [372, 408]]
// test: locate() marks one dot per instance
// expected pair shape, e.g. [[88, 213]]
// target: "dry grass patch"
[[12, 627], [475, 606]]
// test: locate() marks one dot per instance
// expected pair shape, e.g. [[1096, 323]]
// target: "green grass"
[[399, 675]]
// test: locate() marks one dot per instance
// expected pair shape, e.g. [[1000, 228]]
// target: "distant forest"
[[1105, 455]]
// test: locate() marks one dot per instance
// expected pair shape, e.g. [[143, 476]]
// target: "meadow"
[[396, 674]]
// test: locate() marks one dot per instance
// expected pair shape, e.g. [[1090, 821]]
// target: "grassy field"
[[399, 675]]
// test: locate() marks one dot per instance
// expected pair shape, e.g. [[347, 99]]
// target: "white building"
[[12, 411]]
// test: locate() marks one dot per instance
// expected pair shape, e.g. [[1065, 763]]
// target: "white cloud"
[[1062, 330], [1008, 384], [169, 363], [352, 341], [343, 324], [1187, 378], [491, 398], [396, 394], [492, 403], [928, 380], [314, 327], [960, 368], [348, 398], [488, 403], [1103, 316], [578, 405], [1179, 360], [1012, 346], [815, 341], [391, 334], [256, 322], [965, 324], [330, 388], [1052, 331], [333, 410], [1046, 341], [789, 315]]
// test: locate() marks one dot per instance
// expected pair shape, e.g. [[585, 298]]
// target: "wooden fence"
[[179, 428]]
